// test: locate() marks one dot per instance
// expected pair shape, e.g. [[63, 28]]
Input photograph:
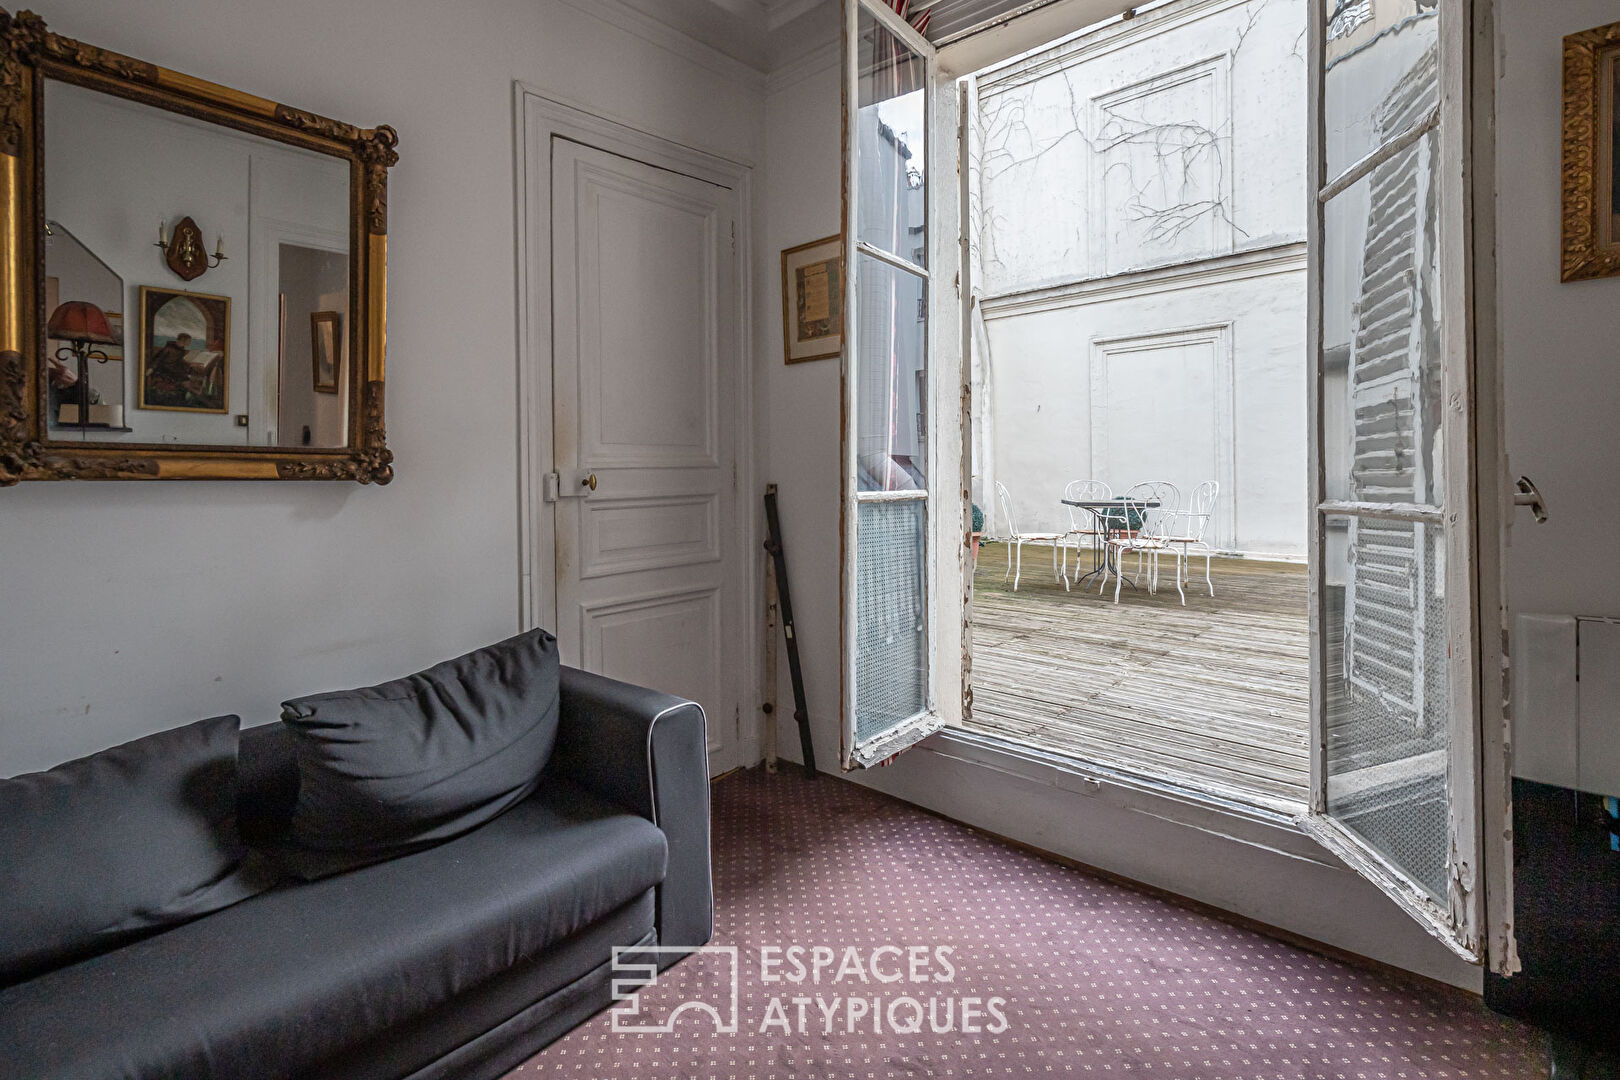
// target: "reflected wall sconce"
[[184, 252]]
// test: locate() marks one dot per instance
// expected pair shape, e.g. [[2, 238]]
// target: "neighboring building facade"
[[1139, 210]]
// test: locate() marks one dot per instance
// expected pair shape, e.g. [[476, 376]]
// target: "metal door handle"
[[1525, 493], [553, 489]]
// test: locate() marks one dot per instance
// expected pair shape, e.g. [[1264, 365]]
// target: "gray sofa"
[[458, 961]]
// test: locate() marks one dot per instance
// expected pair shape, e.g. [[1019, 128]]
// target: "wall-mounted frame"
[[326, 350], [1591, 247], [812, 301], [31, 446]]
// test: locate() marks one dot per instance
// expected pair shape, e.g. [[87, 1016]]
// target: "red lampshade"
[[80, 320]]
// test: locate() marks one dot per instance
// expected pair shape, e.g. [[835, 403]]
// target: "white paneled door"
[[644, 305]]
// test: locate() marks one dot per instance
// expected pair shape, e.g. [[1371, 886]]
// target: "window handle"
[[1525, 493]]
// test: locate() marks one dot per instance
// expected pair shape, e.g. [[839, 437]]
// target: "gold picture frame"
[[326, 350], [30, 55], [813, 300], [1591, 165]]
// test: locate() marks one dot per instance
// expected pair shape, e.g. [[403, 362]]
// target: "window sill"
[[1269, 824]]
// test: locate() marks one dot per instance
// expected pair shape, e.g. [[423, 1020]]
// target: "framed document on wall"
[[812, 301]]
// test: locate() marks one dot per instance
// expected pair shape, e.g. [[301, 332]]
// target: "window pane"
[[1386, 690], [891, 390], [1381, 350], [890, 145], [891, 640], [1382, 73]]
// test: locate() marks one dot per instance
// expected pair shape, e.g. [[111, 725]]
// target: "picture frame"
[[1591, 154], [115, 323], [813, 300], [185, 359], [326, 350]]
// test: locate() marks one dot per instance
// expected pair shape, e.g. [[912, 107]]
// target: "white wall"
[[1233, 412], [1175, 136], [797, 411], [132, 607], [1561, 359]]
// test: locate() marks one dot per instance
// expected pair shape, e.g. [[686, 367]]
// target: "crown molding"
[[781, 12], [618, 14], [811, 64]]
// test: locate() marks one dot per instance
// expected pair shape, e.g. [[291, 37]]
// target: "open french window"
[[1396, 748], [904, 522]]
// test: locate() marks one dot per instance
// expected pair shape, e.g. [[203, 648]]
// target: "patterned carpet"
[[1096, 979]]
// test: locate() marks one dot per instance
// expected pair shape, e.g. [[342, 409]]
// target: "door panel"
[[644, 277]]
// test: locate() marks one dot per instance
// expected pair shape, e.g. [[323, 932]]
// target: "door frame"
[[538, 119]]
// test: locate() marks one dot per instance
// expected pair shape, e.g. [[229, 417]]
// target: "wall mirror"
[[195, 277]]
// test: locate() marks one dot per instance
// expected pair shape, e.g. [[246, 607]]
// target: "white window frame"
[[1475, 866], [946, 465]]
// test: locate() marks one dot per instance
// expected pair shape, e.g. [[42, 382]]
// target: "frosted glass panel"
[[1386, 692], [891, 658]]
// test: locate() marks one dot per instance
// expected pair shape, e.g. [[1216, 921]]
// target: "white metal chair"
[[1152, 526], [1188, 529], [1081, 522], [1016, 541]]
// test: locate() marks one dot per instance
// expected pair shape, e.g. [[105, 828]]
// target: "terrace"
[[1214, 695]]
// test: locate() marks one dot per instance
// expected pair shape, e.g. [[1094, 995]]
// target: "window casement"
[[904, 523]]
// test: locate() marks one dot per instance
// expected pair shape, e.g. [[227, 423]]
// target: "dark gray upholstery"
[[109, 848], [648, 752], [387, 769], [455, 961]]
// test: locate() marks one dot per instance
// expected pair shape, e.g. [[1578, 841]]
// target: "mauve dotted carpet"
[[1097, 978]]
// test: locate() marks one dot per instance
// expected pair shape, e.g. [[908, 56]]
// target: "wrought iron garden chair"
[[1016, 541]]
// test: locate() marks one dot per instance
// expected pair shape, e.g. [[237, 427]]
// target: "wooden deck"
[[1215, 694]]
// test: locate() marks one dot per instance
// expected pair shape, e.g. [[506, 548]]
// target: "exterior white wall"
[[1245, 427], [1164, 139], [132, 607], [1133, 186]]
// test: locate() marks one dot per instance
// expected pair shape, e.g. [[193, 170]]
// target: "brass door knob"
[[589, 482]]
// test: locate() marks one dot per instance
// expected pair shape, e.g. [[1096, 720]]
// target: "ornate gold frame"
[[29, 53], [1591, 250]]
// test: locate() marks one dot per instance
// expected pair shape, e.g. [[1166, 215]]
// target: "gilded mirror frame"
[[29, 54], [1591, 248]]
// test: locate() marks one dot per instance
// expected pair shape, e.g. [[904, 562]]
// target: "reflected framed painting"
[[326, 349], [185, 351], [813, 300], [1591, 240]]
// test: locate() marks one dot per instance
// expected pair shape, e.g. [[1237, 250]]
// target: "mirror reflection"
[[196, 281]]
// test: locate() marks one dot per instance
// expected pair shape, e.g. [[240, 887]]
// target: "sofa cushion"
[[306, 971], [109, 847], [395, 767]]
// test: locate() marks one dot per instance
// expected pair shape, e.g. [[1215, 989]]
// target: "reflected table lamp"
[[83, 326]]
